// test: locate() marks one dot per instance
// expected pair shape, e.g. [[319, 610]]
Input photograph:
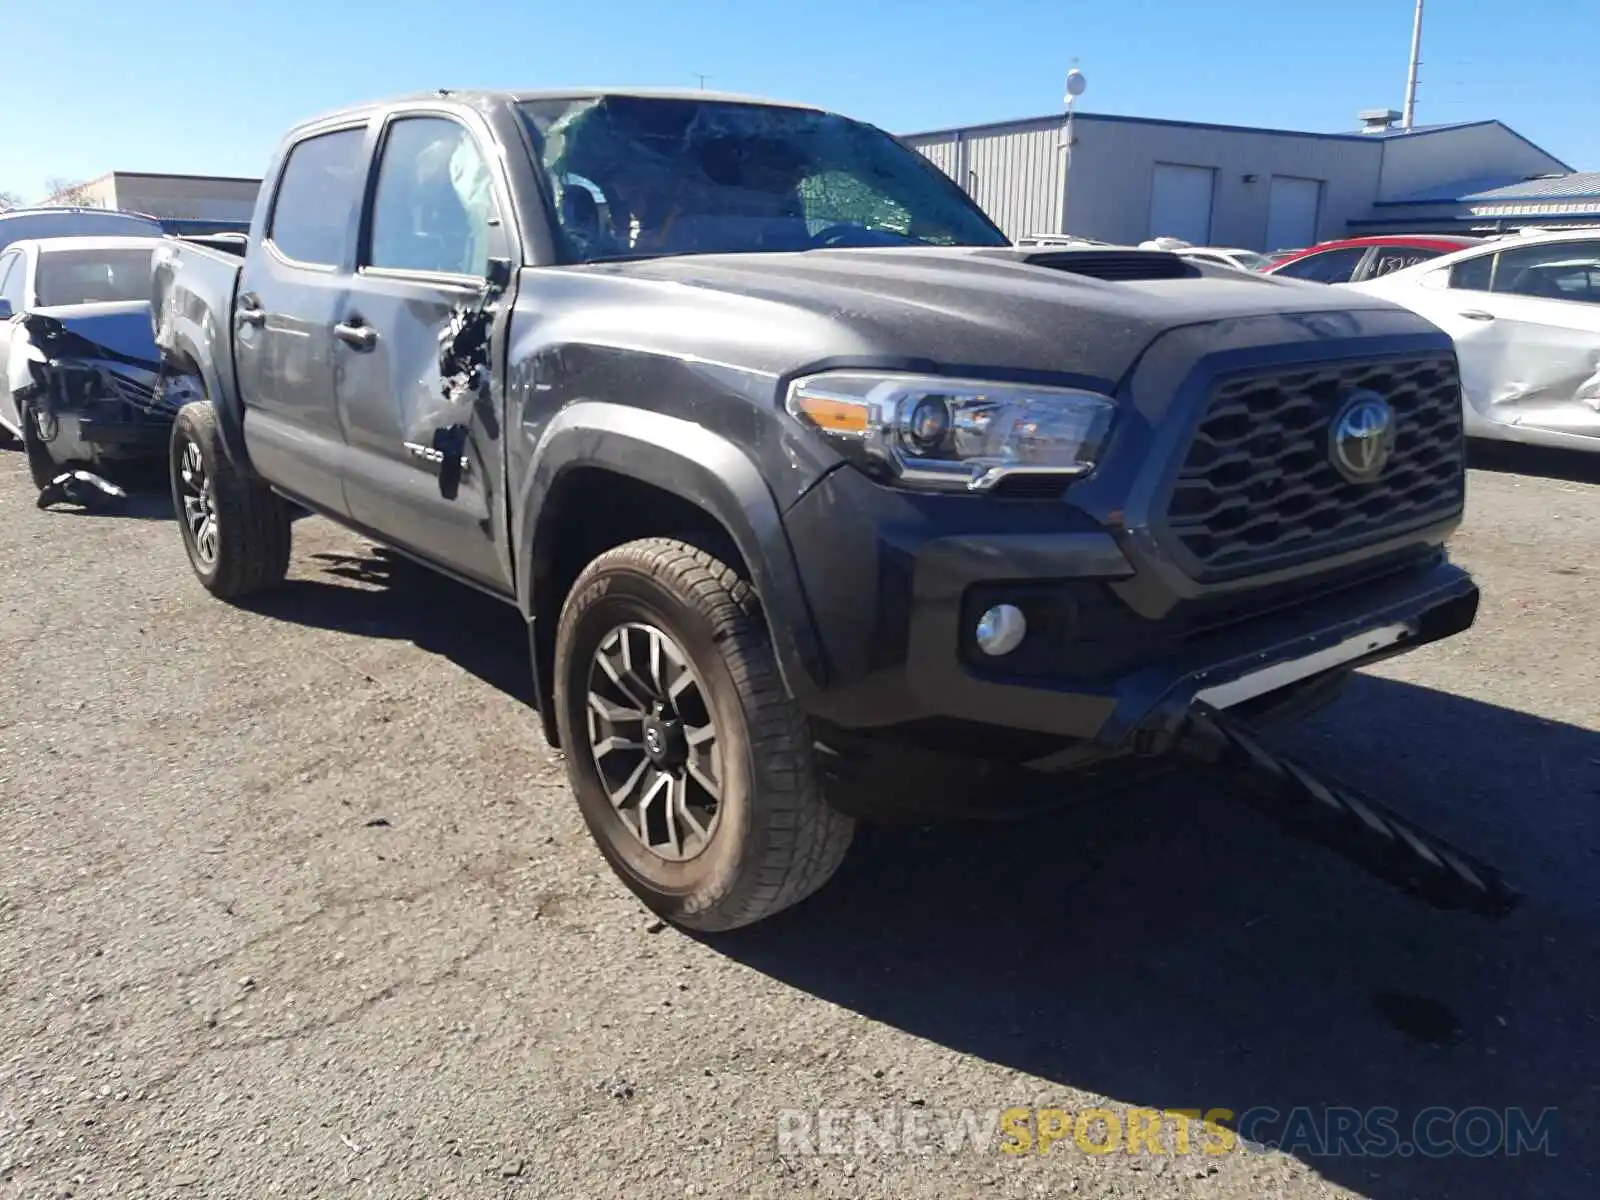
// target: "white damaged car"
[[1525, 316]]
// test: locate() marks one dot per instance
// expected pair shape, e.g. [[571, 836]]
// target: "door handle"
[[1477, 314], [362, 337], [249, 311]]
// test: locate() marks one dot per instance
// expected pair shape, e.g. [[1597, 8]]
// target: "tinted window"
[[1472, 274], [434, 207], [670, 176], [1331, 266], [319, 186], [92, 276], [11, 276], [1554, 271], [1397, 258]]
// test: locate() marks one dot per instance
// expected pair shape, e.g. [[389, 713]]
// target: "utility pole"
[[1416, 61], [702, 79]]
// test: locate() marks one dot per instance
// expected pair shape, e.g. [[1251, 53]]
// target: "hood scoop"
[[1120, 265]]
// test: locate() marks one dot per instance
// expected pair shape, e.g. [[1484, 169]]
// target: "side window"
[[1390, 259], [320, 184], [1331, 266], [434, 207], [12, 273], [1553, 271], [1473, 274]]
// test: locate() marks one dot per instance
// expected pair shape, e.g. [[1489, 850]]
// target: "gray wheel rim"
[[199, 507], [654, 741]]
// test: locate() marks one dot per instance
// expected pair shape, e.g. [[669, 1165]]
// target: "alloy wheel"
[[199, 504], [654, 741]]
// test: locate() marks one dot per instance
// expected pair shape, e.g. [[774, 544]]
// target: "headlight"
[[953, 434]]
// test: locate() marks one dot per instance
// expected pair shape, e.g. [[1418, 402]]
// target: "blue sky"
[[97, 85]]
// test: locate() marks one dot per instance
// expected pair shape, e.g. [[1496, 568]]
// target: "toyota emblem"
[[1362, 437]]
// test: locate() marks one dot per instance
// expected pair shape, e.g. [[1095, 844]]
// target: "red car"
[[1350, 260]]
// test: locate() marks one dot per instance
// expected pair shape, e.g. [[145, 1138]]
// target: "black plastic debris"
[[84, 489]]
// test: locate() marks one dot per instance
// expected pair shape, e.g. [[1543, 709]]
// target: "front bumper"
[[896, 601], [87, 413]]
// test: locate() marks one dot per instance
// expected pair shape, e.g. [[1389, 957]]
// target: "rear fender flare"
[[181, 342]]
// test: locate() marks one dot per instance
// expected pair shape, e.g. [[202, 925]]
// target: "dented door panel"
[[1534, 366], [395, 401]]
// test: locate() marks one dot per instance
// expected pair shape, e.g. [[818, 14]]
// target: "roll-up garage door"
[[1180, 202], [1292, 212]]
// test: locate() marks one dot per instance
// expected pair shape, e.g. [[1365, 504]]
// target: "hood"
[[1085, 312], [118, 331]]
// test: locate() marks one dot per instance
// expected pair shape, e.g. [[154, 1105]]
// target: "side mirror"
[[5, 309], [498, 276]]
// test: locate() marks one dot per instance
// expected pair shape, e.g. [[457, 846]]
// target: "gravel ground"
[[293, 900]]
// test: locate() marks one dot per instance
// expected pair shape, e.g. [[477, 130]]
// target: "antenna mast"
[[1416, 61]]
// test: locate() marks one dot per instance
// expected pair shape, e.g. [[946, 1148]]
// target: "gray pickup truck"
[[821, 500]]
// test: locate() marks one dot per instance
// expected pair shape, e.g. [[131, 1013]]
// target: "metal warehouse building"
[[1134, 178], [190, 197]]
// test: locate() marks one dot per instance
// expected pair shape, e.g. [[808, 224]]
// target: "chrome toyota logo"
[[1362, 437]]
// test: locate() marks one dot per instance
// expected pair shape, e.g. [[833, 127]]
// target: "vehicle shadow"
[[379, 593], [1508, 458], [1171, 951]]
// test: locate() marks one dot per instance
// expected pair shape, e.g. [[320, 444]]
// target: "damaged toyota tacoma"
[[822, 501]]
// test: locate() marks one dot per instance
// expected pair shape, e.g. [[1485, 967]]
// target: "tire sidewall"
[[612, 596]]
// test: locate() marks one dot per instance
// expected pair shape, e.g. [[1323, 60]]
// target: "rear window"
[[317, 193], [92, 276]]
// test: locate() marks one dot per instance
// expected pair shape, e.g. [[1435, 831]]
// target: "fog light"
[[1001, 630]]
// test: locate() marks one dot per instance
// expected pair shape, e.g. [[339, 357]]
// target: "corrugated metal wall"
[[1012, 171], [945, 153], [1418, 162], [1015, 175]]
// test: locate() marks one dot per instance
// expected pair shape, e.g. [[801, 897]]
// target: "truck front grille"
[[1258, 488]]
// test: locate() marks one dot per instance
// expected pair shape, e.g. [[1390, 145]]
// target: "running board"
[[1340, 818]]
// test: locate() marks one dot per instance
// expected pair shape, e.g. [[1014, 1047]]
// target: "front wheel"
[[692, 765], [235, 528], [42, 466]]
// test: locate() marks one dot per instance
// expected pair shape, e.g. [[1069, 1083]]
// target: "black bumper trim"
[[1144, 708], [126, 435]]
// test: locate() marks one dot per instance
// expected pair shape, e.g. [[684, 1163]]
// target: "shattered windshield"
[[92, 276], [643, 176]]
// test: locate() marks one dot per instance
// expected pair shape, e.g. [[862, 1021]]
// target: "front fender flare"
[[703, 468]]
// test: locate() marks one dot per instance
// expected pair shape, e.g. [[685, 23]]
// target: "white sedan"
[[1525, 316]]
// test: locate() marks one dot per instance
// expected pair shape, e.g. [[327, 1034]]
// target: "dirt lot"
[[293, 901]]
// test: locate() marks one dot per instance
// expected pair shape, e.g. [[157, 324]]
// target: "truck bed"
[[192, 296]]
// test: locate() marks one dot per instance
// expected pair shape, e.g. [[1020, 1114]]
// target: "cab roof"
[[485, 98]]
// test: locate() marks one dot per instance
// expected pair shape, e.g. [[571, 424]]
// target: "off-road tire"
[[776, 840], [252, 521]]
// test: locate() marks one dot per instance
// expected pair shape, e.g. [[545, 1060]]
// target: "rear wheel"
[[692, 765], [235, 528]]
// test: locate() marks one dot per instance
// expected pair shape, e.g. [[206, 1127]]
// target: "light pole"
[[1075, 86], [1411, 77]]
